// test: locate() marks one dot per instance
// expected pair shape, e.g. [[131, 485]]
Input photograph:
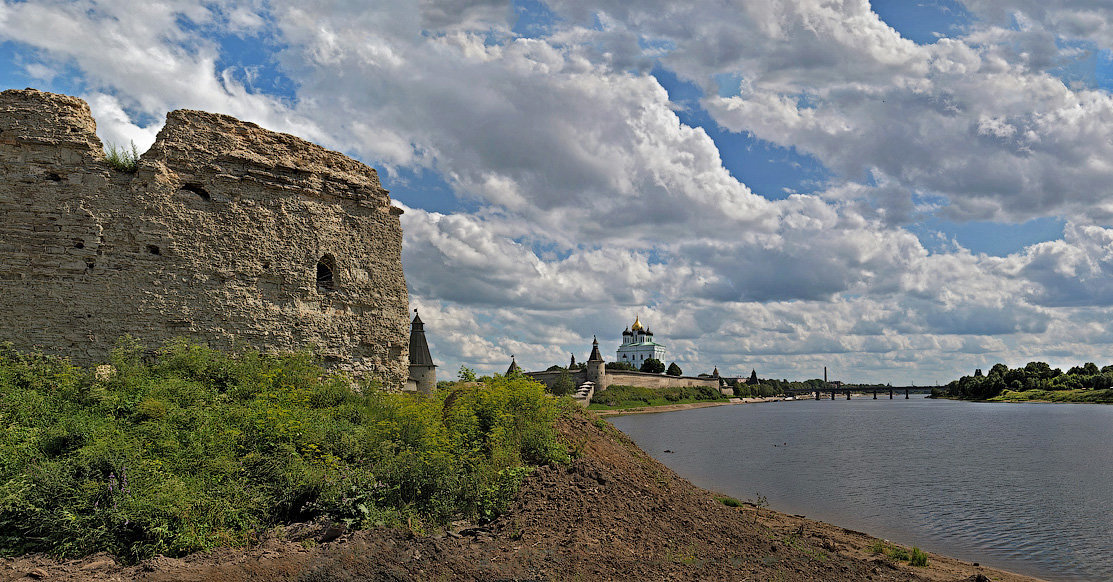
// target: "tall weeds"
[[196, 449]]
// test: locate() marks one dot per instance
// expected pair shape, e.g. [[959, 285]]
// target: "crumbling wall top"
[[28, 116], [198, 142], [196, 146]]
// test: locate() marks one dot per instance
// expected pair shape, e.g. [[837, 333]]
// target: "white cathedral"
[[638, 345]]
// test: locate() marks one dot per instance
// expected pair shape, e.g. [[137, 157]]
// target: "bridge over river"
[[833, 390]]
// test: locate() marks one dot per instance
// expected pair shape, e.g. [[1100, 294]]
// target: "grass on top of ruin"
[[195, 448]]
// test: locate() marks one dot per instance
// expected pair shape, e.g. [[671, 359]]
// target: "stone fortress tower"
[[423, 373], [228, 234]]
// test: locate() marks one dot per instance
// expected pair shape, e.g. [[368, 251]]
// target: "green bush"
[[918, 558], [121, 158], [193, 449]]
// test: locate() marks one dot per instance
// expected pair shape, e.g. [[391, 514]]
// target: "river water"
[[1023, 487]]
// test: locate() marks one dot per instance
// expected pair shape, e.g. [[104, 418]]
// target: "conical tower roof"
[[419, 347], [514, 367], [595, 355]]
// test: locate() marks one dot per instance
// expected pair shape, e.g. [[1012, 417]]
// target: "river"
[[1023, 487]]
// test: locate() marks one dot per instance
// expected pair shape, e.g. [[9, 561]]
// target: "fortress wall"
[[647, 380], [217, 237], [628, 378]]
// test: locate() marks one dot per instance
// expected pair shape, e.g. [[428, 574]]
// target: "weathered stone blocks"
[[226, 234]]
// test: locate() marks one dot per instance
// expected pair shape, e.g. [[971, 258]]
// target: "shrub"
[[653, 366], [564, 384], [121, 158], [918, 558], [897, 553], [192, 448]]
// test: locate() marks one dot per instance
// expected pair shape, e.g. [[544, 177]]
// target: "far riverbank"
[[681, 406]]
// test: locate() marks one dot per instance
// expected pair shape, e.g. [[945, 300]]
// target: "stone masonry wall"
[[628, 378], [217, 238]]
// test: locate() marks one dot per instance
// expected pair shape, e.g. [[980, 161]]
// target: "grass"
[[730, 502], [1077, 396], [121, 158], [916, 557], [624, 397], [194, 449]]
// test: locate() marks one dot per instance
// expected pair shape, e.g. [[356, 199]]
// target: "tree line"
[[1033, 376]]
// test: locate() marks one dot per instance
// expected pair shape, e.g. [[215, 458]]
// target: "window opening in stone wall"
[[198, 190], [154, 250], [326, 273]]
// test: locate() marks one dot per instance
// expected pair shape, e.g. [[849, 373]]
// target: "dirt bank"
[[614, 513]]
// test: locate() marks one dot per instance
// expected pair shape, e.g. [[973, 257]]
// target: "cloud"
[[591, 201]]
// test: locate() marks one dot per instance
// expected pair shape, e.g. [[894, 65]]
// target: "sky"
[[901, 191]]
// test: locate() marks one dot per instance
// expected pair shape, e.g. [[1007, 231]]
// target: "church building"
[[638, 345]]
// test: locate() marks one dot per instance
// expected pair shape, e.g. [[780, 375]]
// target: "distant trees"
[[1033, 376], [653, 366], [563, 385], [620, 366], [674, 370]]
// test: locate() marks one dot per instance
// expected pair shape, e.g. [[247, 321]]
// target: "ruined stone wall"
[[217, 237]]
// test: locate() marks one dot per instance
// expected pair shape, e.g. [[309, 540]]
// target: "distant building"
[[423, 373], [596, 377], [638, 345]]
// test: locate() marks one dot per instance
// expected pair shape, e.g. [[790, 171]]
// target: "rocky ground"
[[614, 513]]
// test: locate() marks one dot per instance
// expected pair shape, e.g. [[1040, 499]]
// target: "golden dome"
[[637, 324]]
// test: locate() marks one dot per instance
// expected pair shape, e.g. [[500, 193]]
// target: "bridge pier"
[[875, 393], [818, 395], [890, 393], [832, 395], [906, 393], [848, 394]]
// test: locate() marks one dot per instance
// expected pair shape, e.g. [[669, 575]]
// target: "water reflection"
[[1025, 487]]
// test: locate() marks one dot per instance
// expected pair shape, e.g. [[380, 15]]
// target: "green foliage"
[[564, 384], [620, 366], [1035, 378], [121, 158], [894, 552], [626, 396], [674, 370], [188, 448], [466, 374], [653, 366], [730, 502], [897, 553]]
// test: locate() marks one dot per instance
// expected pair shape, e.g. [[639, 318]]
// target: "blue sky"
[[900, 191]]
